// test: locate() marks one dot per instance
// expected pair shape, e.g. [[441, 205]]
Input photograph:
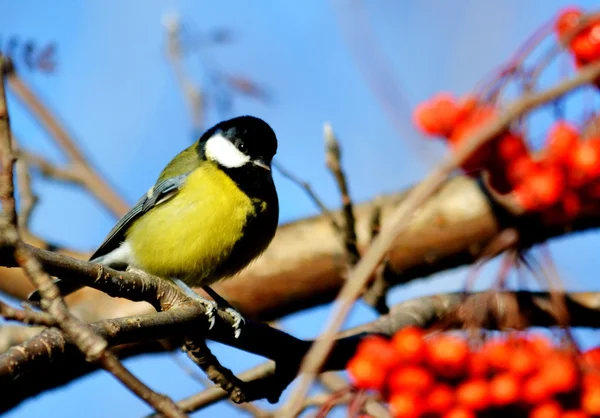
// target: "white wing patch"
[[221, 150], [122, 255]]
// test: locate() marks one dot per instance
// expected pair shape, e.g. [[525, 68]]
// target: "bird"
[[212, 211]]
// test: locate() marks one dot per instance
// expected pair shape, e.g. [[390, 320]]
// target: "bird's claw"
[[211, 310], [238, 321]]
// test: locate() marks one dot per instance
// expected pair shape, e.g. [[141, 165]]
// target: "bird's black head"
[[245, 143]]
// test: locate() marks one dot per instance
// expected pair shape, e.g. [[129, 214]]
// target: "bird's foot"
[[237, 318], [210, 306], [238, 321]]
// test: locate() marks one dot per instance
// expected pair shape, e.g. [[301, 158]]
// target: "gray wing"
[[159, 193]]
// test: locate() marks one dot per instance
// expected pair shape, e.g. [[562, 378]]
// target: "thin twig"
[[333, 156], [192, 93], [400, 220], [93, 181], [199, 353], [26, 316], [310, 193], [89, 343]]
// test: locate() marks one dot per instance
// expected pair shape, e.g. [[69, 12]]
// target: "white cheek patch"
[[220, 149]]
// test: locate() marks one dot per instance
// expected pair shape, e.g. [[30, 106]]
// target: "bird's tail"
[[65, 287]]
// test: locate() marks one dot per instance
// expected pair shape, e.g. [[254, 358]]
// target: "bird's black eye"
[[241, 146]]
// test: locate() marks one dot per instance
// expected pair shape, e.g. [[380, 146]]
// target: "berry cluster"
[[443, 376], [556, 180], [585, 45]]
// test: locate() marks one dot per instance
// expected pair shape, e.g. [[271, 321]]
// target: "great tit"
[[213, 209]]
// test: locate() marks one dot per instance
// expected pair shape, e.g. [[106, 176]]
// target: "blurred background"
[[122, 76]]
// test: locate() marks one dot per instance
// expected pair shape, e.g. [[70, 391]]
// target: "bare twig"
[[192, 93], [92, 180], [26, 316], [399, 221], [376, 293], [310, 193], [333, 155], [88, 342], [199, 353]]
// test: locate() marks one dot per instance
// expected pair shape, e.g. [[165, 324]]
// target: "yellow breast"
[[191, 234]]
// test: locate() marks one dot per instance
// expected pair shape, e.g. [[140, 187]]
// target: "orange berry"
[[379, 351], [567, 20], [497, 353], [591, 357], [522, 362], [447, 112], [542, 188], [447, 355], [562, 138], [550, 409], [590, 401], [504, 389], [584, 162], [535, 390], [574, 414], [405, 405], [425, 118], [539, 344], [590, 380], [518, 169], [460, 412], [560, 373], [410, 378], [510, 147], [478, 365], [440, 399], [409, 345], [365, 374], [583, 47], [473, 394]]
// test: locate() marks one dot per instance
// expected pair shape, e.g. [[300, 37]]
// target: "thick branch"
[[50, 352]]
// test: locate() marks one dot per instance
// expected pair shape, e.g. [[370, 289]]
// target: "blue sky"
[[118, 96]]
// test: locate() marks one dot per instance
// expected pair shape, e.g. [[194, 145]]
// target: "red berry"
[[448, 355], [405, 405], [518, 169], [497, 353], [561, 140], [460, 412], [410, 378], [522, 362], [440, 399], [586, 44], [574, 414], [584, 162], [590, 380], [567, 20], [409, 345], [478, 365], [504, 389], [473, 394], [365, 374], [379, 351], [542, 188], [560, 372], [550, 409], [590, 401], [510, 147], [447, 112], [592, 358], [535, 390], [425, 118]]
